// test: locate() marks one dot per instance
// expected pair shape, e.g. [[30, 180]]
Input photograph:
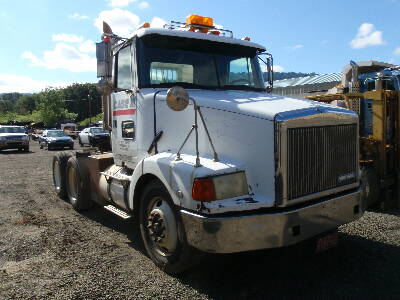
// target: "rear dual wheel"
[[59, 166], [71, 180], [78, 185]]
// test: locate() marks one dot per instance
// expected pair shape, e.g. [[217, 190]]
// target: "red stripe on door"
[[123, 112]]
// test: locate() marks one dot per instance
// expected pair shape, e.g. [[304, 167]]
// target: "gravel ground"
[[49, 251]]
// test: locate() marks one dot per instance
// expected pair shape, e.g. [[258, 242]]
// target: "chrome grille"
[[321, 158]]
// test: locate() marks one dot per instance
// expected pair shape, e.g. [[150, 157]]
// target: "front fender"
[[178, 175]]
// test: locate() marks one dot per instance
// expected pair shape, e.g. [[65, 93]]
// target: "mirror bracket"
[[178, 99]]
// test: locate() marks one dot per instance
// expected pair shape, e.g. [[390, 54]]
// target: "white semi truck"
[[204, 157]]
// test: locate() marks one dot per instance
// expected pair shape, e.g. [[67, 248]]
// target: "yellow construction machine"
[[372, 89]]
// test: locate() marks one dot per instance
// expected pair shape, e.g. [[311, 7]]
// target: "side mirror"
[[269, 62], [103, 59], [177, 98]]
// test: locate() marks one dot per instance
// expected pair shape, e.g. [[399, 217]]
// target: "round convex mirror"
[[177, 98]]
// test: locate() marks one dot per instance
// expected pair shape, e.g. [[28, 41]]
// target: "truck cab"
[[204, 156]]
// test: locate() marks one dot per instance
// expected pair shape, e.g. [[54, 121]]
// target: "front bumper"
[[99, 140], [270, 230], [14, 144], [60, 144]]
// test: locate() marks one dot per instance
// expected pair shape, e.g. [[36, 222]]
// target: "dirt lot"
[[49, 251]]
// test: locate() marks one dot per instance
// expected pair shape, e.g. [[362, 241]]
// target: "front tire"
[[59, 167], [162, 231], [78, 185]]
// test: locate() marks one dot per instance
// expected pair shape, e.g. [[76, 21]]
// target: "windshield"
[[97, 130], [12, 130], [165, 61], [58, 133]]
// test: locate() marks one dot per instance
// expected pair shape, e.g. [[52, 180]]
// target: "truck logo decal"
[[346, 176], [123, 112]]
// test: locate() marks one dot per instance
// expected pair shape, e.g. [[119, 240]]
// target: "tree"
[[7, 102], [26, 104], [50, 108], [79, 96]]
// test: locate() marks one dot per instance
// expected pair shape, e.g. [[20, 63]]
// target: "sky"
[[51, 42]]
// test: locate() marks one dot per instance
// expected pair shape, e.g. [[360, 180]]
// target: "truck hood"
[[255, 104]]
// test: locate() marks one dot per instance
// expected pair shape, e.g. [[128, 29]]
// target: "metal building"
[[307, 86]]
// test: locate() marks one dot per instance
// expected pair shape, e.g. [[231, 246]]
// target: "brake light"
[[203, 190], [199, 20]]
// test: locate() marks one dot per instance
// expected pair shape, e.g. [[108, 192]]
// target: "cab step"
[[117, 211]]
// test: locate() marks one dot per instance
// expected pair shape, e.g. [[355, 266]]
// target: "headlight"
[[2, 138], [51, 139], [219, 187]]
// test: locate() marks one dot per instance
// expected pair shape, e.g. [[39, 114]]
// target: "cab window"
[[123, 69], [240, 72], [128, 129], [161, 72]]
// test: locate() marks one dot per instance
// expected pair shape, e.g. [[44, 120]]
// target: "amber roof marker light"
[[199, 20], [200, 24]]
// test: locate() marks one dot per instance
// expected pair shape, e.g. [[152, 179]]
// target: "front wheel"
[[162, 231]]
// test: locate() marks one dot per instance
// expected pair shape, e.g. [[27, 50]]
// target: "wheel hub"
[[161, 227], [156, 226]]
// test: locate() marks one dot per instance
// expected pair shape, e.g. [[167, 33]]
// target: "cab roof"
[[197, 35]]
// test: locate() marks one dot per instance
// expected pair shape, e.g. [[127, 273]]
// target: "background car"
[[13, 137], [52, 139], [94, 136]]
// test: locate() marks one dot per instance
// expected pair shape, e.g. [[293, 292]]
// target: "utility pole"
[[90, 110]]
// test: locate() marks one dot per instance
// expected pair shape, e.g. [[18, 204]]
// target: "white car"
[[13, 137], [93, 136]]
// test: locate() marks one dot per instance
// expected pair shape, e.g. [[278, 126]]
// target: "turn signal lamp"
[[219, 187], [203, 190], [246, 38], [199, 20]]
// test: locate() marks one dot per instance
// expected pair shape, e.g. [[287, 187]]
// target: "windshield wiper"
[[182, 84], [242, 87]]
